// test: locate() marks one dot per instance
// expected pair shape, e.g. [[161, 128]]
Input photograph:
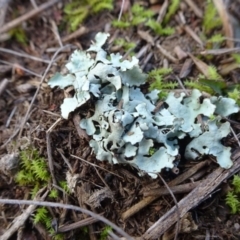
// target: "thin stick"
[[19, 20], [3, 85], [22, 68], [235, 136], [198, 12], [39, 86], [79, 224], [162, 12], [121, 10], [50, 158], [94, 165], [67, 206], [176, 205], [24, 55], [11, 115], [54, 125], [183, 188], [82, 30], [56, 33], [181, 85], [20, 220], [220, 51], [65, 160]]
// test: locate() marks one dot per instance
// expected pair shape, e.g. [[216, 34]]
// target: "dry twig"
[[196, 196], [146, 201], [20, 220], [79, 224], [28, 15], [183, 188], [67, 206], [3, 85], [198, 12]]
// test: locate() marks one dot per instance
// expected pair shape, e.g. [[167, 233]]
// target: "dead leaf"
[[146, 36]]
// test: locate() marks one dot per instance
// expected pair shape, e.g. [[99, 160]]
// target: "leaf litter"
[[65, 137]]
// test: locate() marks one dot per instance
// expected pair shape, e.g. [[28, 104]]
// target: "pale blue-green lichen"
[[125, 125]]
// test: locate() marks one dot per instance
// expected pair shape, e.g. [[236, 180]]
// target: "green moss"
[[195, 84], [138, 15], [156, 80], [233, 197], [64, 186], [173, 7], [125, 45], [234, 94], [152, 150], [19, 34], [43, 216], [236, 57], [214, 84], [211, 19], [33, 170], [76, 12], [104, 233], [217, 38], [158, 29], [53, 193]]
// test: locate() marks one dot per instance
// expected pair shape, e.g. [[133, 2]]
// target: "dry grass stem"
[[227, 27], [66, 206], [16, 22], [197, 11], [21, 219]]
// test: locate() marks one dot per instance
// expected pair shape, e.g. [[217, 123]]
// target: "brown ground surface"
[[210, 219]]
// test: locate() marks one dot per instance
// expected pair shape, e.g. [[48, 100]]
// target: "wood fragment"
[[196, 196], [183, 188], [50, 158], [79, 224], [227, 68], [186, 68], [17, 21], [146, 201], [78, 33], [3, 85]]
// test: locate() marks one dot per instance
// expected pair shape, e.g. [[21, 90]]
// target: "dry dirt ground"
[[30, 114]]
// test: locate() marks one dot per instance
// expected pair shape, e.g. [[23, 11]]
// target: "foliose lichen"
[[126, 126]]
